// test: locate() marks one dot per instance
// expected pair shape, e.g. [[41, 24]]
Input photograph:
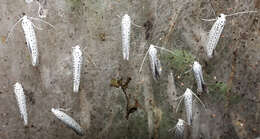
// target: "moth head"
[[196, 65], [54, 110], [126, 16], [152, 50], [187, 93], [76, 47], [222, 16], [25, 17], [17, 85], [180, 122]]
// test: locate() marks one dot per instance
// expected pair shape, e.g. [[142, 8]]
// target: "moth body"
[[126, 31], [70, 122], [197, 70], [77, 63], [215, 34], [155, 62], [30, 38], [21, 101]]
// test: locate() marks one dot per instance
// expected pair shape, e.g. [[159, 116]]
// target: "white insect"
[[70, 122], [21, 100], [188, 104], [155, 62], [216, 30], [28, 1], [214, 34], [126, 31], [179, 128], [197, 70], [30, 37], [77, 62]]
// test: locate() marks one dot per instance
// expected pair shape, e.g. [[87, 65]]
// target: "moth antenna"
[[37, 27], [118, 16], [144, 60], [43, 21], [179, 103], [172, 129], [186, 123], [65, 110], [188, 71], [242, 13], [199, 100], [167, 50], [137, 25], [90, 59], [208, 19], [12, 29]]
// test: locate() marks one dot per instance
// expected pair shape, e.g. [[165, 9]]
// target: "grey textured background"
[[100, 108]]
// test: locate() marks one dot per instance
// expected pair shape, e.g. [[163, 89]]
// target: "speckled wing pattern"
[[21, 100], [70, 122], [30, 38], [179, 131], [155, 62], [214, 34], [77, 62], [197, 70], [188, 104], [126, 30]]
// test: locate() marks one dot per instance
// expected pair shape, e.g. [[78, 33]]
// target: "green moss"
[[219, 87], [218, 91], [75, 6], [235, 99], [74, 3], [180, 61], [166, 124]]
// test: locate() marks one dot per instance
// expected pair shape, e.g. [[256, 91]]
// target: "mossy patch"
[[180, 62], [76, 6], [74, 3], [218, 91]]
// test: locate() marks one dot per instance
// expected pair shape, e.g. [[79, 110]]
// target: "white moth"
[[197, 70], [154, 62], [126, 31], [77, 62], [178, 129], [28, 1], [30, 37], [216, 30], [188, 104], [21, 100], [214, 34], [70, 122]]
